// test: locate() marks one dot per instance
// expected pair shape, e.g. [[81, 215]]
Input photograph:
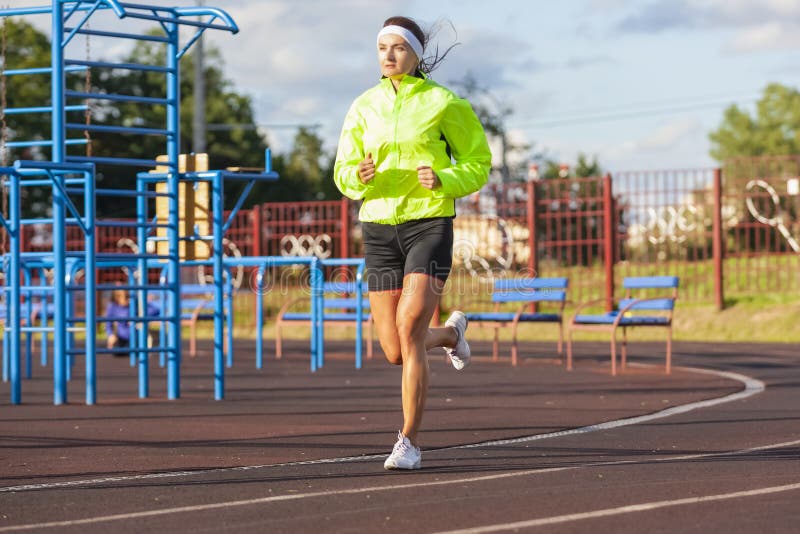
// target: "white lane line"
[[264, 500], [752, 386], [643, 507], [375, 489]]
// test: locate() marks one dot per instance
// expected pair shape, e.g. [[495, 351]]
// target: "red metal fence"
[[728, 232], [760, 214]]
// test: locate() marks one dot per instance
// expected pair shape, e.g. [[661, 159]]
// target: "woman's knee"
[[392, 352], [410, 328], [395, 358]]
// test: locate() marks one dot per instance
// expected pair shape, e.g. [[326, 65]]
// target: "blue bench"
[[523, 292], [340, 306], [657, 310]]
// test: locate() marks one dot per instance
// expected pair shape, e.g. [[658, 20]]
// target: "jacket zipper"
[[396, 147]]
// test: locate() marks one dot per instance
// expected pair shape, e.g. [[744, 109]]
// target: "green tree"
[[774, 130], [751, 146], [306, 172], [494, 114], [25, 48], [585, 168], [240, 144]]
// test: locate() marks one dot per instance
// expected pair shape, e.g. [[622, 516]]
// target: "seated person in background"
[[119, 332]]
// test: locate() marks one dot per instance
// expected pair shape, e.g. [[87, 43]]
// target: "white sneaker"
[[404, 455], [459, 355]]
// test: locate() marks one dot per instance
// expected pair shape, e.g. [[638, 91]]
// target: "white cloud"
[[758, 25], [769, 36]]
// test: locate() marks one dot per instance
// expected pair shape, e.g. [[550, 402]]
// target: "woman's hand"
[[427, 177], [366, 169]]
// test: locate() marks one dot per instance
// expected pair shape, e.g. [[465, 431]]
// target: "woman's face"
[[396, 56]]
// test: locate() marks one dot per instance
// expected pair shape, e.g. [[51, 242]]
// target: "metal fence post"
[[344, 218], [533, 246], [608, 240], [533, 255], [717, 241], [255, 215]]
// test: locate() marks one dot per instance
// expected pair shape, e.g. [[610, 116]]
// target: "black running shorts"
[[393, 251]]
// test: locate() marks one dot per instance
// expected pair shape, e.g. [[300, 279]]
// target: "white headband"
[[410, 38]]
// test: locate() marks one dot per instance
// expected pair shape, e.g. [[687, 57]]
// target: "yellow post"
[[194, 215]]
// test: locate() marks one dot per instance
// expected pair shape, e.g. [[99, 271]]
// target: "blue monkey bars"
[[69, 175]]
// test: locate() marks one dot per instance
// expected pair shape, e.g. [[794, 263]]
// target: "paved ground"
[[533, 448]]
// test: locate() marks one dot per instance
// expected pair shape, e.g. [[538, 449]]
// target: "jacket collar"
[[407, 84]]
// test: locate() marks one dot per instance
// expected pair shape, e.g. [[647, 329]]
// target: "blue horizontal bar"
[[131, 319], [34, 329], [262, 176], [117, 97], [130, 224], [53, 166], [49, 182], [255, 261], [22, 11], [342, 261], [125, 66], [23, 144], [136, 37], [44, 220], [31, 289], [129, 193], [116, 129], [39, 70], [127, 287], [123, 350], [43, 109], [116, 161], [112, 256]]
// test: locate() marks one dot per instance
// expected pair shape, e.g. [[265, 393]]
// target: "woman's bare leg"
[[418, 301], [402, 318]]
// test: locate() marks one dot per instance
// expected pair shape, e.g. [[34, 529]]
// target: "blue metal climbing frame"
[[69, 176]]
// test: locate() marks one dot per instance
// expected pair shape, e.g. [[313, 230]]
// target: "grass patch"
[[769, 317]]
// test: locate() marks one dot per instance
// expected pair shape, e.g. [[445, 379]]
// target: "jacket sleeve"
[[473, 159], [349, 154]]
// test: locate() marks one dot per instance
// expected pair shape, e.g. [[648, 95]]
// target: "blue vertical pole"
[[317, 355], [45, 320], [13, 332], [91, 288], [359, 315], [260, 318], [217, 204], [140, 277], [68, 336], [26, 279], [173, 269], [59, 231], [229, 313], [7, 297]]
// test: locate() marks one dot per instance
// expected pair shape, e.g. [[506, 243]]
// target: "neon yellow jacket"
[[403, 131]]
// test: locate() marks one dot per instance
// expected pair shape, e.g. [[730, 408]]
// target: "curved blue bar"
[[213, 11]]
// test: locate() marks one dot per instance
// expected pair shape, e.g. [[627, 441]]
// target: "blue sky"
[[638, 83]]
